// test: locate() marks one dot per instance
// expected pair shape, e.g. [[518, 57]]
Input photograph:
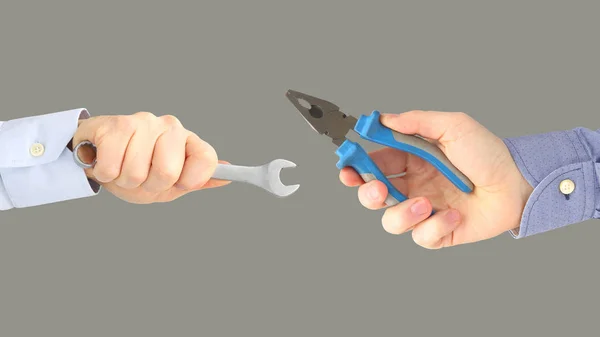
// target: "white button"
[[36, 150], [567, 186]]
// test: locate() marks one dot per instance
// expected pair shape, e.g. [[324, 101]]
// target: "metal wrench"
[[265, 176]]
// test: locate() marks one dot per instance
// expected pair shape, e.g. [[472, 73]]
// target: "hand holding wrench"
[[266, 176]]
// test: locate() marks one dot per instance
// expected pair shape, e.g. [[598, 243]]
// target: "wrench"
[[265, 176]]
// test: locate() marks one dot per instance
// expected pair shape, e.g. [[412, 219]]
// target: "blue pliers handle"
[[351, 154]]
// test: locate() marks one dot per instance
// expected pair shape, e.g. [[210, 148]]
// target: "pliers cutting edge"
[[326, 118]]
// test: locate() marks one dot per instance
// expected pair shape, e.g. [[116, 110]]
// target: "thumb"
[[444, 127]]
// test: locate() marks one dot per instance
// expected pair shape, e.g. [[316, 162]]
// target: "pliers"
[[327, 119]]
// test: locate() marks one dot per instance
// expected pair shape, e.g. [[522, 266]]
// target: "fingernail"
[[373, 193], [453, 216], [419, 208]]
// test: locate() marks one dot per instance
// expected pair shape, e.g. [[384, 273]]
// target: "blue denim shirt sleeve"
[[27, 180], [545, 160]]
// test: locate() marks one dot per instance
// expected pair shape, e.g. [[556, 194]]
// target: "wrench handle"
[[237, 173]]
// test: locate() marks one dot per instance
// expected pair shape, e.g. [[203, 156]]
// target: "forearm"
[[36, 166], [563, 167]]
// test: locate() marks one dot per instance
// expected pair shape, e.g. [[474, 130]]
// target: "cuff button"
[[36, 150], [567, 186]]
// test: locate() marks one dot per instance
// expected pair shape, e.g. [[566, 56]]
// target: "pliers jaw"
[[323, 116]]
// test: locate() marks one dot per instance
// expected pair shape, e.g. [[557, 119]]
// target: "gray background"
[[237, 261]]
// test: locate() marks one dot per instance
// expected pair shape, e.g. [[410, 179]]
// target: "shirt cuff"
[[563, 169], [36, 166]]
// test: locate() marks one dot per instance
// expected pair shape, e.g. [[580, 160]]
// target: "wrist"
[[524, 192], [548, 161]]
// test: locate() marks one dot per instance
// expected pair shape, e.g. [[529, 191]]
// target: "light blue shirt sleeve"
[[36, 165], [546, 160]]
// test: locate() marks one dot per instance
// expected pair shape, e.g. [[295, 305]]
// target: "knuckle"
[[394, 230], [462, 126], [418, 239], [188, 185], [135, 178], [398, 219], [124, 124], [389, 222], [170, 121], [166, 173], [204, 151], [364, 201], [386, 226], [462, 117], [106, 173], [144, 115], [108, 124], [412, 113], [210, 160], [424, 239]]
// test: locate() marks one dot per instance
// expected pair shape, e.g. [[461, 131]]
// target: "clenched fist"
[[142, 158]]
